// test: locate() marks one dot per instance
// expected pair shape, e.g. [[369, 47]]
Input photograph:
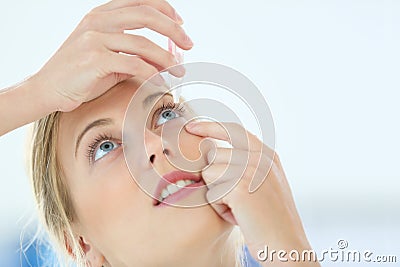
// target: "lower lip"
[[182, 193]]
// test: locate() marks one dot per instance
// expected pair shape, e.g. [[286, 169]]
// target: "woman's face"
[[115, 218]]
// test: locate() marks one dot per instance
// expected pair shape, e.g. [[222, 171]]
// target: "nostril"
[[153, 157], [166, 152]]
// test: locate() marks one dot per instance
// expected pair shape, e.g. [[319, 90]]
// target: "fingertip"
[[187, 43], [192, 126], [177, 70], [157, 80]]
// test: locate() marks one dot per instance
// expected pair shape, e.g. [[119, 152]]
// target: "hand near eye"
[[98, 54], [266, 215]]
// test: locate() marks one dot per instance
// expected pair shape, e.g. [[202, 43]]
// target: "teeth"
[[188, 182], [181, 183], [164, 193], [173, 188]]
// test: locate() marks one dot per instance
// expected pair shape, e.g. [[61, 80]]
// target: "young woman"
[[90, 204]]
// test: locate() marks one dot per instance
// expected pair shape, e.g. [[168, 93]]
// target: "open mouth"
[[175, 186]]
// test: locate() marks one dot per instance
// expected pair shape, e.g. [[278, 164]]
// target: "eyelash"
[[96, 142], [169, 106], [108, 137]]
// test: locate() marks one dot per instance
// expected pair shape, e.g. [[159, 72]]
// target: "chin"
[[200, 225], [181, 233]]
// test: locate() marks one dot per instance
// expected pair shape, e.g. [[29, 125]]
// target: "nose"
[[156, 148], [153, 156]]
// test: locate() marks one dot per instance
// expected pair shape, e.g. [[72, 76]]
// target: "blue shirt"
[[249, 261]]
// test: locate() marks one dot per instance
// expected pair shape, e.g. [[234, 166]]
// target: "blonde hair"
[[50, 190], [53, 198]]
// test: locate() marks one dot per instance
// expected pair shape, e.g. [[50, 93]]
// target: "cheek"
[[102, 198]]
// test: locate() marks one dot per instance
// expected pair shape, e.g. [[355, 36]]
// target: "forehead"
[[113, 103]]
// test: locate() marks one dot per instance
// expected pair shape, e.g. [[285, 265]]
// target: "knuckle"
[[89, 38], [135, 65], [89, 20], [264, 160], [256, 158], [141, 43], [167, 7], [88, 44], [253, 139], [101, 7], [146, 13], [276, 160], [263, 157], [98, 8]]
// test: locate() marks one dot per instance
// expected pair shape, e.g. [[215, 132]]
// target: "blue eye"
[[166, 116], [104, 148]]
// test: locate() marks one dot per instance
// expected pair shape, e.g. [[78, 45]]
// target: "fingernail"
[[178, 70], [188, 41], [191, 125], [178, 18], [158, 80]]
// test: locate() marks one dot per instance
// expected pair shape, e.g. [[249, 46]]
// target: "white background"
[[329, 71]]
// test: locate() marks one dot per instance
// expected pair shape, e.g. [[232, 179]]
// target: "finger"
[[230, 175], [233, 133], [231, 192], [161, 5], [222, 155], [131, 65], [137, 17], [143, 47], [227, 174], [216, 194], [223, 211]]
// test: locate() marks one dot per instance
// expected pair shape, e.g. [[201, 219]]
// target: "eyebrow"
[[108, 121], [94, 124]]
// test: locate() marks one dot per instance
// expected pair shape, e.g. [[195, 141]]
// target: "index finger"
[[138, 17], [233, 133], [161, 5]]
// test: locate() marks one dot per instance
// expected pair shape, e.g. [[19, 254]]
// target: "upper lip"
[[171, 178]]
